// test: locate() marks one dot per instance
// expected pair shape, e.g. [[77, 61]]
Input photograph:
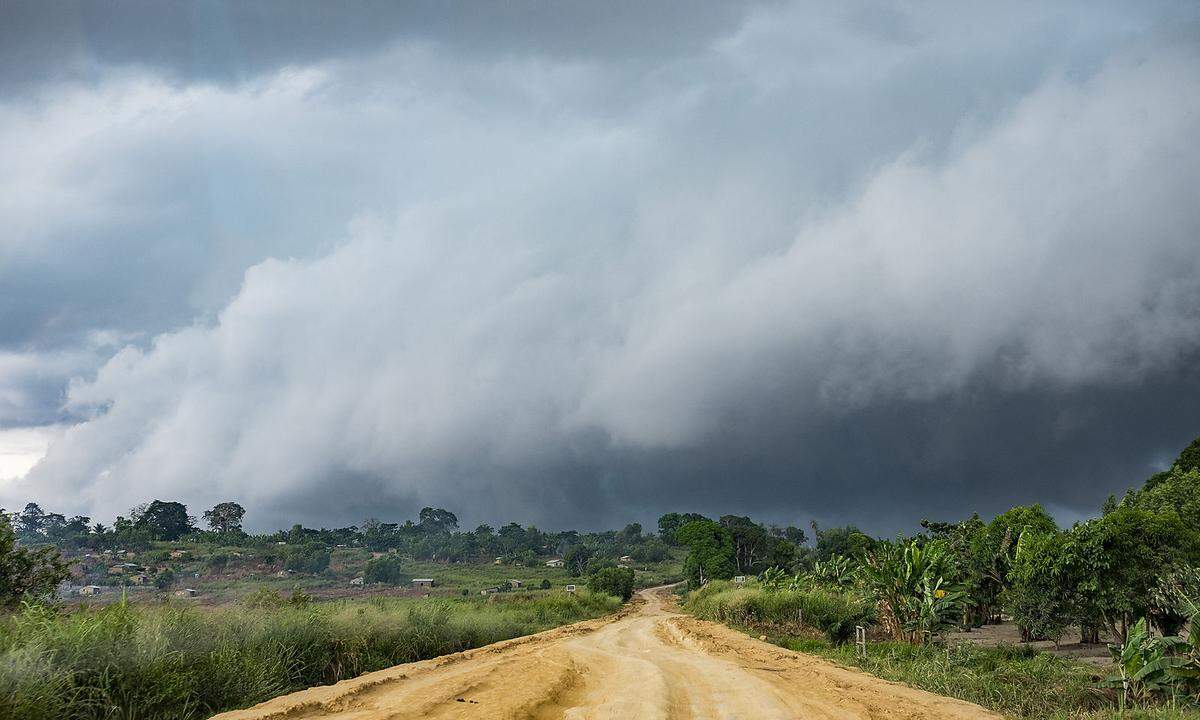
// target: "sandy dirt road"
[[648, 662]]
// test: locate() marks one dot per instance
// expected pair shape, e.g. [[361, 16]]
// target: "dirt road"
[[649, 662]]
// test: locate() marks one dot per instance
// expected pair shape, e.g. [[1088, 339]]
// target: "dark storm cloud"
[[229, 41], [568, 267]]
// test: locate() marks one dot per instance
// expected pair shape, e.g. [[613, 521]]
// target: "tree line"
[[1136, 562]]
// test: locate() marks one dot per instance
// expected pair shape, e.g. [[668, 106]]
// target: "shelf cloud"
[[796, 263]]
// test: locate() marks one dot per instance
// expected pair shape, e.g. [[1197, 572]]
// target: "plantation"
[[171, 661], [1128, 576]]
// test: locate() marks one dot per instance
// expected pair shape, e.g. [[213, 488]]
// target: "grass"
[[126, 661], [1016, 681], [832, 613]]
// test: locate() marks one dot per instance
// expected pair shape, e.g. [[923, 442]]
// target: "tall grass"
[[832, 612], [149, 662]]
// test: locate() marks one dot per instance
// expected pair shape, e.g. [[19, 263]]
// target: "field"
[[225, 574], [179, 660]]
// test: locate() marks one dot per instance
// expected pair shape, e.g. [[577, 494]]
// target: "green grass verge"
[[171, 661]]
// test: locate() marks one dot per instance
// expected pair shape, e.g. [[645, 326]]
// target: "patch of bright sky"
[[21, 448]]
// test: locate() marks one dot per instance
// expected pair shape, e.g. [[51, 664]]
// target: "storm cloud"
[[853, 264]]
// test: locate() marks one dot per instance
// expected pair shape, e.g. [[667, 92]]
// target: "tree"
[[1112, 564], [1178, 491], [710, 552], [225, 518], [312, 557], [791, 533], [847, 540], [612, 581], [30, 521], [1037, 597], [387, 569], [165, 520], [994, 548], [437, 520], [650, 551], [751, 543], [576, 559], [671, 522], [26, 573], [164, 579], [1189, 459]]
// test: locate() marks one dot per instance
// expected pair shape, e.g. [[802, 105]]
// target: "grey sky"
[[581, 263]]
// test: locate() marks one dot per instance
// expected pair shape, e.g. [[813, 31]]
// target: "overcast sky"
[[581, 263]]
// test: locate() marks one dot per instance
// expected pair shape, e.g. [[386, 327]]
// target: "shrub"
[[310, 557], [164, 579], [612, 581], [264, 598], [832, 612], [388, 569]]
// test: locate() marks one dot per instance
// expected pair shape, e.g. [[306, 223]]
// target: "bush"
[[264, 598], [388, 569], [310, 557], [832, 612], [612, 581], [545, 585], [216, 562], [164, 579]]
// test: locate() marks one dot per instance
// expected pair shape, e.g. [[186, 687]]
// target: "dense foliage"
[[388, 569], [831, 612], [1133, 567], [614, 581], [26, 573]]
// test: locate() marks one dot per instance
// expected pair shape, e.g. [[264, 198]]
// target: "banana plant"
[[838, 571], [773, 579], [935, 610], [899, 577], [1149, 666]]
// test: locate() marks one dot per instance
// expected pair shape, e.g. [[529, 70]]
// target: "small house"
[[739, 579], [570, 589], [91, 590], [555, 563], [626, 559], [116, 570], [139, 579], [177, 554], [498, 561], [422, 582], [515, 583], [185, 593], [357, 581], [489, 591]]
